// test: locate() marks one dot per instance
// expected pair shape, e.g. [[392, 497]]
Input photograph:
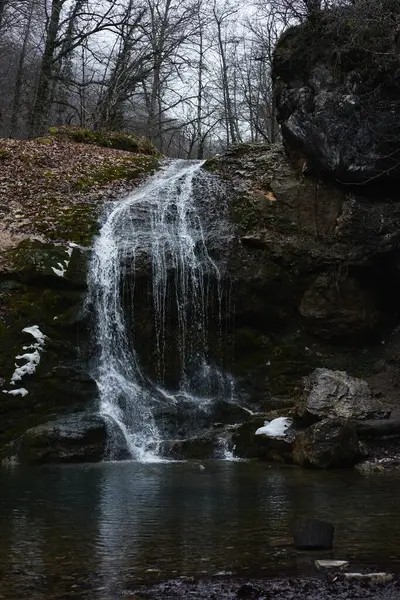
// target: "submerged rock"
[[313, 534], [332, 443], [335, 394]]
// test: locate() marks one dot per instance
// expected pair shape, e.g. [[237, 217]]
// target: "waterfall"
[[158, 227]]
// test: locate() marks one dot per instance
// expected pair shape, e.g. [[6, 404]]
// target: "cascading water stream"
[[158, 223]]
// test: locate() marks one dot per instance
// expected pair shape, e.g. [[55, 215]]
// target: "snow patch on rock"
[[19, 392], [276, 428], [63, 266], [31, 360]]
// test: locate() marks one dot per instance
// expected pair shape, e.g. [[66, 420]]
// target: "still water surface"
[[96, 531]]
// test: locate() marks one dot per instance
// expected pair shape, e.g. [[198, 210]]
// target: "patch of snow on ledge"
[[32, 359], [19, 392], [37, 334], [276, 428], [62, 267]]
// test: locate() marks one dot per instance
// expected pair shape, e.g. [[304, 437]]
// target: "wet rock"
[[331, 564], [183, 417], [75, 438], [247, 444], [202, 446], [332, 443], [378, 428], [336, 308], [378, 466], [335, 394]]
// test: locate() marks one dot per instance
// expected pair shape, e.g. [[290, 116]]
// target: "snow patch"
[[19, 392], [276, 428], [61, 271], [37, 334], [32, 359], [63, 266]]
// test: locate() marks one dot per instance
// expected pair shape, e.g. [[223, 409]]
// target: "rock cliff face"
[[337, 93], [315, 269], [315, 272]]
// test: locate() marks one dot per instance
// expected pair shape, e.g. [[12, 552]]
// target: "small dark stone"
[[313, 534], [248, 591]]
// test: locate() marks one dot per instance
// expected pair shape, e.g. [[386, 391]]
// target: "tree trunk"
[[3, 4], [19, 75], [42, 107]]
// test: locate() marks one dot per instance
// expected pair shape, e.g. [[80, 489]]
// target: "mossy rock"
[[77, 220], [34, 261], [107, 139], [56, 313], [4, 154]]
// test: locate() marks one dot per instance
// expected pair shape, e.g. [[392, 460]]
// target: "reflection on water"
[[96, 531]]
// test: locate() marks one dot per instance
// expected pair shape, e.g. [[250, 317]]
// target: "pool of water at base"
[[98, 531]]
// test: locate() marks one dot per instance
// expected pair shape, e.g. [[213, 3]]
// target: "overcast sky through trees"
[[192, 75]]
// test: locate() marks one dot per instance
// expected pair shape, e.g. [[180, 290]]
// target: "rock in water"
[[335, 394], [332, 443], [75, 438], [331, 564], [313, 534]]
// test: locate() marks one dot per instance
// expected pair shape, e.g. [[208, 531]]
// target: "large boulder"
[[332, 443], [337, 92], [335, 394], [80, 437]]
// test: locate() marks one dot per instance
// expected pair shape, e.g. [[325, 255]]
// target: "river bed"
[[99, 531]]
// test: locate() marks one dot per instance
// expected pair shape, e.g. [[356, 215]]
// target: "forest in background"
[[192, 75]]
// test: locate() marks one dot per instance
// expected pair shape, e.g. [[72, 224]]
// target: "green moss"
[[59, 219], [110, 171], [211, 165], [107, 139], [33, 258], [4, 154], [78, 223], [44, 140]]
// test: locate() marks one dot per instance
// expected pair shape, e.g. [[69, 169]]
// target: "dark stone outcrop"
[[246, 444], [331, 443], [31, 293], [75, 438], [334, 394], [315, 275], [337, 92]]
